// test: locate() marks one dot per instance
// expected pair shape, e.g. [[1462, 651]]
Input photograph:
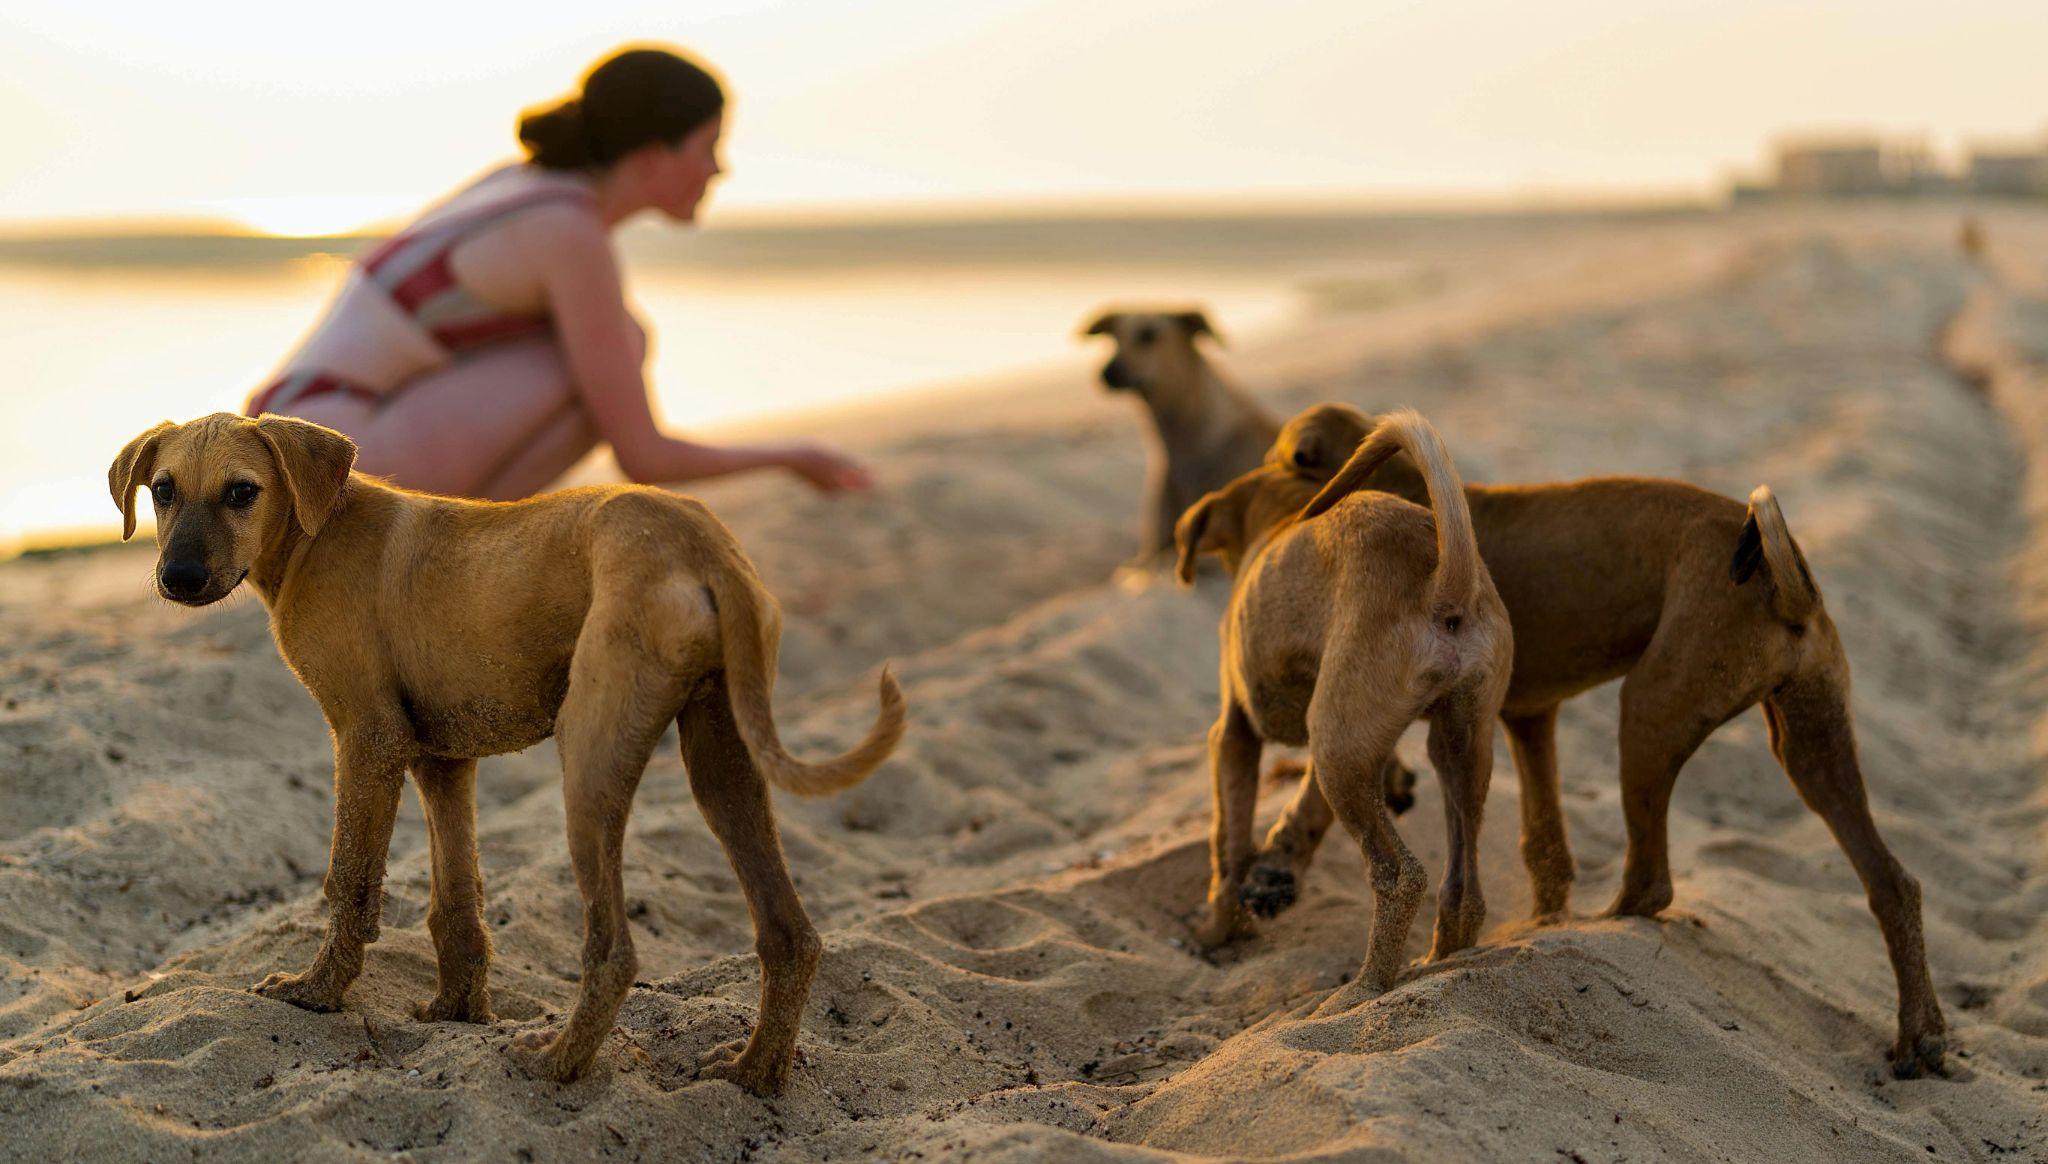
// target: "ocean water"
[[95, 352]]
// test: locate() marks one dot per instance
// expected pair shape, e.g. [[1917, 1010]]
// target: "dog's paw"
[[1915, 1058], [1649, 903], [1400, 800], [301, 990], [1220, 928], [760, 1074], [1268, 890], [1637, 908], [541, 1055], [471, 1007]]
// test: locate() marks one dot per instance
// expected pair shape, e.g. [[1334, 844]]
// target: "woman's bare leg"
[[494, 418]]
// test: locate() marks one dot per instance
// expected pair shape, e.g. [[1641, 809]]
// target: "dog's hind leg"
[[1665, 717], [1813, 738], [1461, 749], [1546, 853], [369, 777], [1698, 673], [621, 695], [455, 909], [1274, 882], [1234, 749], [1651, 755], [1349, 752], [733, 797]]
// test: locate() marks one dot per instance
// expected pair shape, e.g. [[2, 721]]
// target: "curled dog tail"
[[1457, 552], [1766, 539], [749, 632]]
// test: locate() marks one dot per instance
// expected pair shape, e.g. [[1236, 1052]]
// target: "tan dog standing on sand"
[[1708, 608], [434, 631], [1205, 431], [1352, 615]]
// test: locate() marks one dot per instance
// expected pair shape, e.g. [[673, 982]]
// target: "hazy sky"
[[303, 117]]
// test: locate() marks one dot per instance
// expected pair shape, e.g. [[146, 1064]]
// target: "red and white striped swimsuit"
[[413, 269]]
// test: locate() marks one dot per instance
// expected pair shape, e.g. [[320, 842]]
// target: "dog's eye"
[[163, 492], [241, 494], [1145, 336]]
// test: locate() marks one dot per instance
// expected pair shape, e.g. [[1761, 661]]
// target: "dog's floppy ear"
[[1201, 530], [314, 462], [1188, 534], [136, 462], [1105, 324], [1197, 323]]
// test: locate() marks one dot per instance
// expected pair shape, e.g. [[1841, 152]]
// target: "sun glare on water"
[[313, 216]]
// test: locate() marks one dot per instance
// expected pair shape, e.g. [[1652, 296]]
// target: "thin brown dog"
[[1205, 430], [433, 631], [1708, 608], [1352, 615]]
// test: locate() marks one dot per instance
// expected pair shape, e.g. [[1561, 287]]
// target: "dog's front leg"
[[369, 775], [1234, 770], [1545, 850], [1162, 508]]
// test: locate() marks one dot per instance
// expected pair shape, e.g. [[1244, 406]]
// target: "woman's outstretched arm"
[[606, 353]]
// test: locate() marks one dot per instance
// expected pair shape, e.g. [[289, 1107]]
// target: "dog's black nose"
[[1114, 375], [182, 579]]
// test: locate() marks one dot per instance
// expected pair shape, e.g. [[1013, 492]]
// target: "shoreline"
[[1407, 303]]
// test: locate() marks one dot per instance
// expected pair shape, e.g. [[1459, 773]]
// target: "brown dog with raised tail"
[[1706, 607], [1353, 614], [433, 631]]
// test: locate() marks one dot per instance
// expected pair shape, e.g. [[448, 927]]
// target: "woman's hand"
[[827, 469]]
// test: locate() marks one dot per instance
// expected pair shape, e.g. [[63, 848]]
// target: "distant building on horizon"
[[2008, 173], [1870, 166], [1837, 168]]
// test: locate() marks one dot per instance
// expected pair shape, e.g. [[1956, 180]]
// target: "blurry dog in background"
[[1205, 430]]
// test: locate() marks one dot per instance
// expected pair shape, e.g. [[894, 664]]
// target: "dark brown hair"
[[634, 97]]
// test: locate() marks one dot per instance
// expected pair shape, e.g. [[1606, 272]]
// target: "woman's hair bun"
[[637, 96], [555, 136]]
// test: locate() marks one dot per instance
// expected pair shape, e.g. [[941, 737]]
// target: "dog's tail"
[[1457, 552], [1766, 539], [750, 635]]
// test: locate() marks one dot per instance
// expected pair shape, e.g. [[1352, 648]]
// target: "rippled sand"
[[1008, 971]]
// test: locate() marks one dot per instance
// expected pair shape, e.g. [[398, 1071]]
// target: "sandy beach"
[[1009, 972]]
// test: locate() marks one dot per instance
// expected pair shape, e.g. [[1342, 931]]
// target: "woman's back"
[[457, 278]]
